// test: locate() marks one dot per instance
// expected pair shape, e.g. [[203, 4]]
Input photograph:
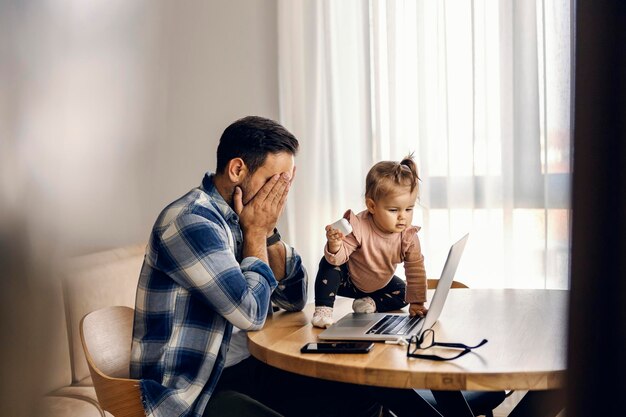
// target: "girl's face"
[[393, 213]]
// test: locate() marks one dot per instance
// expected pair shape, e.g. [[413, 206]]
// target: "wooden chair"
[[106, 336], [432, 284]]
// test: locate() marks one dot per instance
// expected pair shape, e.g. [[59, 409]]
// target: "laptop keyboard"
[[395, 325]]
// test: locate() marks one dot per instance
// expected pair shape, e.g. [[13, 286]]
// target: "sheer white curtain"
[[478, 90]]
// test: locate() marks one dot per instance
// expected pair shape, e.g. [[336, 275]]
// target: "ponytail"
[[387, 174]]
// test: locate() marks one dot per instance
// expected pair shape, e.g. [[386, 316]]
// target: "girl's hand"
[[334, 238], [417, 309]]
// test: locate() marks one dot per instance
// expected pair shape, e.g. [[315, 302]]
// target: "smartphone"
[[337, 347]]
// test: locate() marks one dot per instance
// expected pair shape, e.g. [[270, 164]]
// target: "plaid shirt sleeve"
[[192, 289], [291, 292], [195, 253]]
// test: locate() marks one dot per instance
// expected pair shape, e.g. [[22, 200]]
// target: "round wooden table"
[[526, 349]]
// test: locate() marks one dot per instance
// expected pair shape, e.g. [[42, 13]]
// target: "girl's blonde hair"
[[384, 176]]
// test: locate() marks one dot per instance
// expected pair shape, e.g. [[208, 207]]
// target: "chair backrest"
[[432, 284], [106, 335]]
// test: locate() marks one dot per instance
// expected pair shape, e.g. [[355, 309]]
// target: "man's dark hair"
[[252, 139]]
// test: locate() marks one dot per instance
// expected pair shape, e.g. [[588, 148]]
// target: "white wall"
[[111, 109]]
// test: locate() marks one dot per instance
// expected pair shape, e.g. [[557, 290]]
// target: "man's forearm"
[[254, 244], [274, 255], [277, 255]]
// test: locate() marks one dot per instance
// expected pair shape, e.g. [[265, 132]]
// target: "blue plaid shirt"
[[194, 287]]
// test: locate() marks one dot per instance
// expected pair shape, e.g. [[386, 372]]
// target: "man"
[[213, 262]]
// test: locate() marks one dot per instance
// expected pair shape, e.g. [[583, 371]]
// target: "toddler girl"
[[361, 265]]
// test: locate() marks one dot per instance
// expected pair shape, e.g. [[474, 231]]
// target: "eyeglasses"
[[427, 340]]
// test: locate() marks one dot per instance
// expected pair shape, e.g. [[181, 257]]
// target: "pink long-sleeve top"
[[373, 255]]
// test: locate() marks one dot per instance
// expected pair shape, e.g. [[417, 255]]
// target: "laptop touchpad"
[[354, 322]]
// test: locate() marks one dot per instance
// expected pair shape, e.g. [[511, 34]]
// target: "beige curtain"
[[478, 90]]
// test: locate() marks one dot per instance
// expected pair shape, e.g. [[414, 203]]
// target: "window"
[[479, 91]]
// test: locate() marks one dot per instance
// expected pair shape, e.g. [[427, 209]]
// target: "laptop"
[[394, 326]]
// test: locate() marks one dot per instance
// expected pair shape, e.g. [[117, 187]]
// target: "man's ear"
[[371, 207], [236, 170]]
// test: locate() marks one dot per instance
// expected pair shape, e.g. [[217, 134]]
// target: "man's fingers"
[[283, 198], [267, 205], [281, 190], [261, 196], [276, 192], [237, 201]]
